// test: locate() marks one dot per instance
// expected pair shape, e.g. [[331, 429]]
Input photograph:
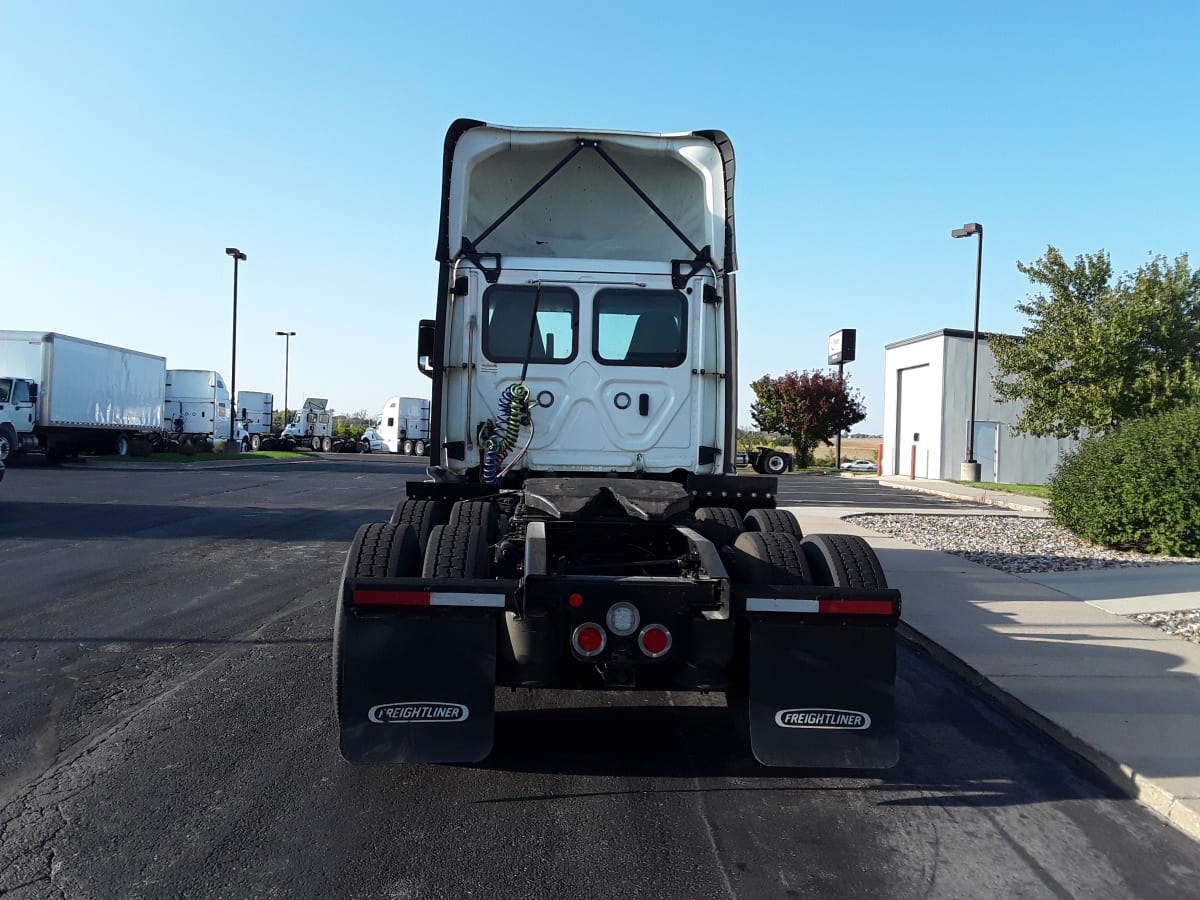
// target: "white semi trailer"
[[583, 525], [62, 395]]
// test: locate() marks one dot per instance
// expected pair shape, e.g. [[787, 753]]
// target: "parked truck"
[[255, 415], [584, 525], [312, 425], [402, 427], [63, 395], [196, 407]]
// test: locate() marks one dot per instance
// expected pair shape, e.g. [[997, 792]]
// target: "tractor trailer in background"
[[63, 395], [583, 525], [312, 426], [196, 406], [403, 425], [255, 418]]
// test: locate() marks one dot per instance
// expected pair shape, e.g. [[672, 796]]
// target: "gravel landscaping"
[[1020, 544]]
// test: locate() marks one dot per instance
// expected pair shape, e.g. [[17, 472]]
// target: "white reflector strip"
[[780, 604], [450, 598]]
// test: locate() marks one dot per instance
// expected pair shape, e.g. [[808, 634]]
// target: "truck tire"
[[720, 524], [422, 515], [774, 463], [8, 441], [483, 513], [245, 448], [419, 448], [770, 557], [844, 561], [456, 551], [255, 442], [364, 447], [121, 445], [383, 550], [773, 520], [379, 551], [326, 444], [407, 448]]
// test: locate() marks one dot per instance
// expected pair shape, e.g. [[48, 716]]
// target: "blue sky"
[[141, 139]]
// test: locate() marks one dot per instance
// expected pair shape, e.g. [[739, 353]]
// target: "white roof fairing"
[[586, 210]]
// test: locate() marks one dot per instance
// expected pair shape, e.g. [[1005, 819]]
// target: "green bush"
[[1137, 487]]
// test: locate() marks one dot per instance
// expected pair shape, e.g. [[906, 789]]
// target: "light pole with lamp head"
[[969, 471], [287, 347], [231, 445]]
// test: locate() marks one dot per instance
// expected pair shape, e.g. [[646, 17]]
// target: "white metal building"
[[927, 408]]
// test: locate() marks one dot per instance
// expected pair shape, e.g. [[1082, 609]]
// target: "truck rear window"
[[507, 309], [640, 327]]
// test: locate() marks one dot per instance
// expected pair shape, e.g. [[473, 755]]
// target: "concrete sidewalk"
[[1123, 695]]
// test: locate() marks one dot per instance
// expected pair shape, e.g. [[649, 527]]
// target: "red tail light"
[[588, 640], [655, 640]]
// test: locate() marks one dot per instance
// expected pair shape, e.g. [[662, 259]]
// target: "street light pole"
[[231, 442], [969, 471], [287, 347]]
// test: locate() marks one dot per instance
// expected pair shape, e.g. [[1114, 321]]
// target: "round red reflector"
[[576, 600], [590, 639], [655, 640]]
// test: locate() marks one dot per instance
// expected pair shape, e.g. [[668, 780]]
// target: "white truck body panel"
[[197, 403], [403, 418], [635, 379], [255, 411], [585, 211], [84, 384]]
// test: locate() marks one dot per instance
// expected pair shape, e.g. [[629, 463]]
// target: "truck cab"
[[312, 426], [18, 412], [612, 308]]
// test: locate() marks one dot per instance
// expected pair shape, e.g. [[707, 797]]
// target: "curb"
[[1132, 784], [990, 498]]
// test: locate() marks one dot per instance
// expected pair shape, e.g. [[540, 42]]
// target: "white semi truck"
[[403, 426], [584, 526], [62, 395], [255, 419], [196, 406], [312, 425]]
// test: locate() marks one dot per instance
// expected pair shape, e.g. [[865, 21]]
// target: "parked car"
[[860, 465]]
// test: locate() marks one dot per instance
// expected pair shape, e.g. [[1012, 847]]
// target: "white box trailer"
[[196, 405], [62, 395]]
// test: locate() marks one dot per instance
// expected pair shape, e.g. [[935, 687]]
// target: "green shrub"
[[1137, 487]]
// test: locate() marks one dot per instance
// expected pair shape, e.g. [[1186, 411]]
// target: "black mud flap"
[[822, 697], [417, 687]]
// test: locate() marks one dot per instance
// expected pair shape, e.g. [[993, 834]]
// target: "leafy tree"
[[748, 439], [1098, 353], [810, 407]]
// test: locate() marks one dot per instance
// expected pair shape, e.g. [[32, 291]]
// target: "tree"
[[810, 407], [1098, 353]]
